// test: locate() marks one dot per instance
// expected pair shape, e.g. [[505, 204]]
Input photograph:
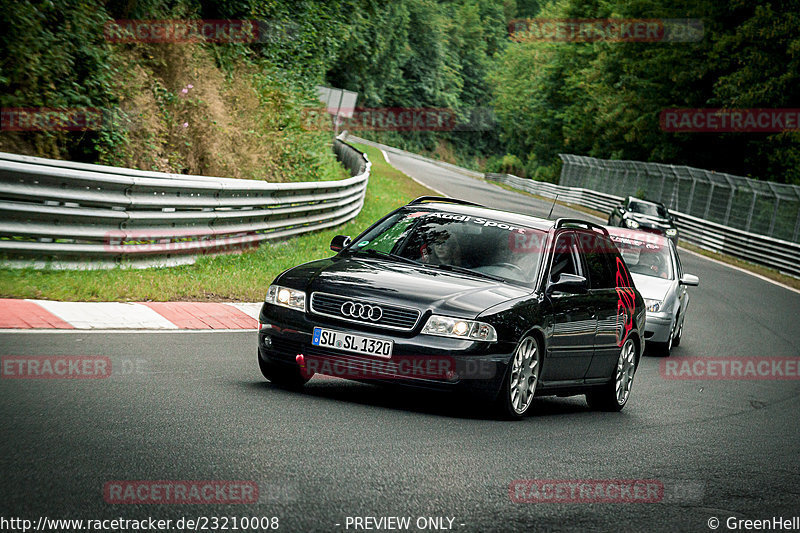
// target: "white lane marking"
[[249, 309], [740, 269], [106, 315], [437, 191]]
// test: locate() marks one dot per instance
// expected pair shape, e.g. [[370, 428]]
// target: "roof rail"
[[561, 222], [443, 199]]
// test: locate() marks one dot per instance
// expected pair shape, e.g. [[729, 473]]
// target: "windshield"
[[646, 258], [646, 208], [446, 240]]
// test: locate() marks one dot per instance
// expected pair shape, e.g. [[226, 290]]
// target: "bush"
[[511, 164]]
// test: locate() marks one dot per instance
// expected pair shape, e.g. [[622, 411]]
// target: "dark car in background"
[[448, 295], [644, 215], [657, 272]]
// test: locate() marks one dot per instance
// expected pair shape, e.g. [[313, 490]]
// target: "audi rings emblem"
[[362, 311]]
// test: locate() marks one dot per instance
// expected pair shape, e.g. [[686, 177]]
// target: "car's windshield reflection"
[[484, 247]]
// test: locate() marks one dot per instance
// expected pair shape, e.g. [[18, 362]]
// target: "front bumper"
[[657, 327], [425, 361]]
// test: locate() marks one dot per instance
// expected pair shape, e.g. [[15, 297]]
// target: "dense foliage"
[[244, 114], [604, 98]]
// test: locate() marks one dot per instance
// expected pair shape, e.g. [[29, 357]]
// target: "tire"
[[519, 385], [614, 395], [287, 377], [677, 340], [665, 348]]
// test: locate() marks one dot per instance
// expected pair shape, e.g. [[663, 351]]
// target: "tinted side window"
[[599, 254], [563, 257]]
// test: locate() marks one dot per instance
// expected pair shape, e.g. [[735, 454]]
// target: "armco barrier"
[[781, 255], [75, 215]]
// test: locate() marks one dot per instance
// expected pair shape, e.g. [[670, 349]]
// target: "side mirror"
[[339, 243], [690, 279], [570, 284]]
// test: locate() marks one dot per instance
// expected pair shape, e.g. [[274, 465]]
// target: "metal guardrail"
[[74, 215], [757, 207], [759, 249]]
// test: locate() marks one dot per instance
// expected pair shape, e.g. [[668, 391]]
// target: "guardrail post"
[[752, 208], [691, 195], [708, 202], [774, 211], [730, 199], [797, 227], [774, 216]]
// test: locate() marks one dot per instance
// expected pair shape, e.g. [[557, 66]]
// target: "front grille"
[[392, 316]]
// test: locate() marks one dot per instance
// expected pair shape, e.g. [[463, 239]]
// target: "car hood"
[[424, 288], [651, 287]]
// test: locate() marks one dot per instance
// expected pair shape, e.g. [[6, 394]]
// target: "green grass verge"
[[241, 277]]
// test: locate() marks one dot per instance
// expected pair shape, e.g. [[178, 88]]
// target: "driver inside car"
[[444, 249], [654, 264]]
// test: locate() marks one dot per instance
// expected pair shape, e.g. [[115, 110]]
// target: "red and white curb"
[[46, 314]]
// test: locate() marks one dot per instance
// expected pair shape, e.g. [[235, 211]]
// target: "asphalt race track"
[[193, 406]]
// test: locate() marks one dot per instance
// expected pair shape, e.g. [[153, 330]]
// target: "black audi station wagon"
[[446, 294]]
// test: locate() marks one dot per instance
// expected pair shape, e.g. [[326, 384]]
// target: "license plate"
[[349, 342]]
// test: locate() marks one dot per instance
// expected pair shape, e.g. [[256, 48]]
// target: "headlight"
[[445, 326], [654, 306], [631, 223], [671, 232], [285, 297]]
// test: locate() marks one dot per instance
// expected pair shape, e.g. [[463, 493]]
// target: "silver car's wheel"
[[524, 375], [677, 340], [668, 344], [626, 367]]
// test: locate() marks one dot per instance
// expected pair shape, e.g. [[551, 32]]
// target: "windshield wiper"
[[469, 271], [371, 252]]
